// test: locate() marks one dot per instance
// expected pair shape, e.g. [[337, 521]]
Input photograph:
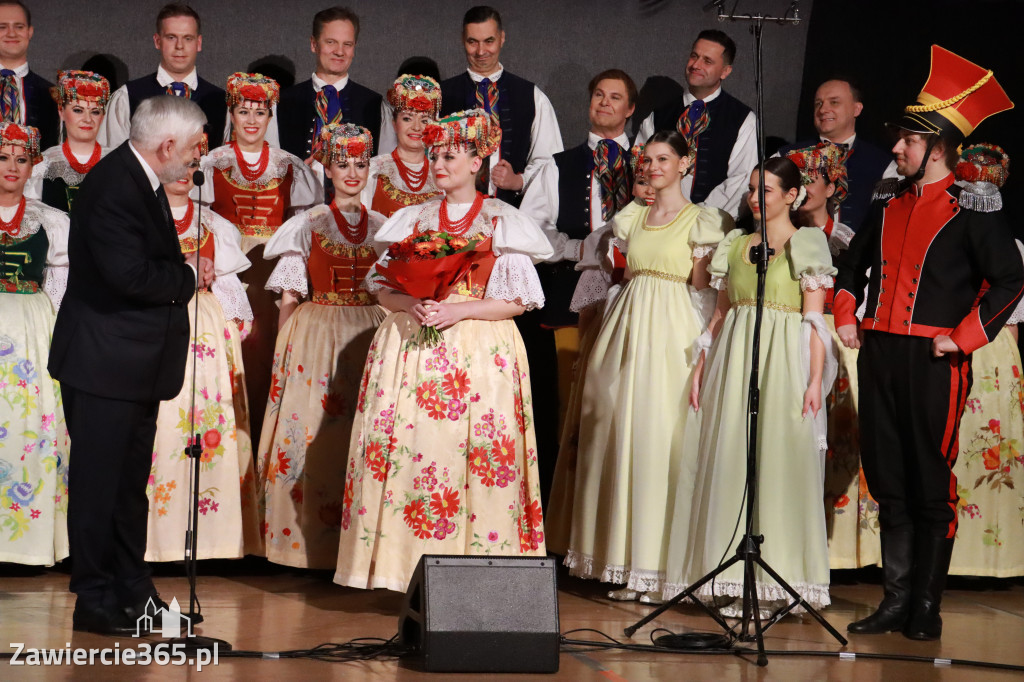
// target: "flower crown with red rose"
[[342, 141], [252, 87], [21, 136], [983, 162], [418, 94], [84, 86], [824, 158], [461, 128]]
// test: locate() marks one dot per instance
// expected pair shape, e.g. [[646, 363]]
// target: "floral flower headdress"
[[252, 87], [983, 162], [636, 160], [23, 136], [418, 94], [823, 158], [342, 141], [461, 128], [81, 85]]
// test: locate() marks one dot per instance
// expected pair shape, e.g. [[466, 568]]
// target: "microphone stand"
[[748, 551], [194, 450]]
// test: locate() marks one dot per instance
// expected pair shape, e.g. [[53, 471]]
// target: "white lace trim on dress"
[[514, 279], [719, 283], [592, 288], [231, 295], [703, 251], [816, 595], [582, 566], [814, 282], [55, 283], [289, 275]]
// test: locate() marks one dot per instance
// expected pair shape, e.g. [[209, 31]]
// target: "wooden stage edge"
[[260, 607]]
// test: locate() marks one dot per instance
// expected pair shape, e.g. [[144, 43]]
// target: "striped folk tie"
[[10, 96], [612, 175], [179, 89], [328, 107], [487, 99], [692, 123]]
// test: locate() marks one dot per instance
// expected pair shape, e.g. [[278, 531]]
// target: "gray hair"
[[163, 118]]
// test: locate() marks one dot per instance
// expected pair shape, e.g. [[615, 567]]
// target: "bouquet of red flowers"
[[430, 265]]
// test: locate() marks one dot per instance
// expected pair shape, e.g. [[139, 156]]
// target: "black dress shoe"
[[102, 621], [152, 607]]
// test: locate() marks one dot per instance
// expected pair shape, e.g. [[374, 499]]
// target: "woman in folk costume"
[[257, 187], [81, 104], [601, 276], [228, 526], [990, 469], [798, 366], [402, 178], [33, 436], [847, 502], [631, 435], [443, 453], [321, 349]]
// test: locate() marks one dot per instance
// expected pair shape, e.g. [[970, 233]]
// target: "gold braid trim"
[[770, 305], [946, 103], [661, 275]]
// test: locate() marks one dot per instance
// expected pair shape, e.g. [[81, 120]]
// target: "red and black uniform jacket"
[[929, 259]]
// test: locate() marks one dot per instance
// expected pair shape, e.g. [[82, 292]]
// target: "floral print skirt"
[[33, 437], [443, 455], [227, 525], [317, 367]]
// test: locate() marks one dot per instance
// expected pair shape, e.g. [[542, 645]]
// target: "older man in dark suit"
[[119, 348]]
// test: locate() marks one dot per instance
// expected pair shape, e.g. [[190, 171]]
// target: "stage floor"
[[260, 607]]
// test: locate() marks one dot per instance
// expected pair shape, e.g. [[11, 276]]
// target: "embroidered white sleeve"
[[814, 282], [592, 288], [55, 283], [231, 295], [703, 250], [289, 274], [719, 283], [515, 279]]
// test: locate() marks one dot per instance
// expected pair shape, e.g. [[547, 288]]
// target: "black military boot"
[[931, 554], [897, 565]]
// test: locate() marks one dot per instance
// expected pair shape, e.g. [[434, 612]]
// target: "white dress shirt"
[[727, 195], [540, 202], [117, 124], [545, 137], [19, 73], [154, 182]]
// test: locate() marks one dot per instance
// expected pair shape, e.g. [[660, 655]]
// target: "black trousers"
[[543, 358], [108, 512], [910, 408]]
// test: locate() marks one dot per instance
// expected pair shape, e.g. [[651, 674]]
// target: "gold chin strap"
[[946, 103]]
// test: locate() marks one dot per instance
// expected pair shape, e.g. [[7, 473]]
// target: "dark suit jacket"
[[122, 330], [40, 109]]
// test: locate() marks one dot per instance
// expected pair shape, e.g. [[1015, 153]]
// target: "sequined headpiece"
[[462, 127], [341, 141], [85, 86], [252, 87], [418, 94], [23, 136], [983, 163], [825, 159]]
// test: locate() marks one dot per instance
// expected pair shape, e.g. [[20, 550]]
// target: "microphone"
[[198, 178]]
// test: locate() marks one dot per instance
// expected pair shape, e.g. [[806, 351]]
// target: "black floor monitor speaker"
[[483, 614]]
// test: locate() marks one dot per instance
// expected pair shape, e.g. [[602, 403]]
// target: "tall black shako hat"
[[957, 96]]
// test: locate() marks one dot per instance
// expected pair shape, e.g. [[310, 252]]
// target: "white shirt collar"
[[493, 77], [154, 181], [319, 83], [165, 79], [19, 71], [593, 139], [848, 141], [688, 98]]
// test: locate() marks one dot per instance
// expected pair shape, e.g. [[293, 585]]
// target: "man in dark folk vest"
[[529, 128], [720, 130], [837, 104], [571, 195], [179, 39], [24, 96], [330, 95], [945, 275]]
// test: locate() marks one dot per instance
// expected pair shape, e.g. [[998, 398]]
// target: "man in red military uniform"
[[944, 277]]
